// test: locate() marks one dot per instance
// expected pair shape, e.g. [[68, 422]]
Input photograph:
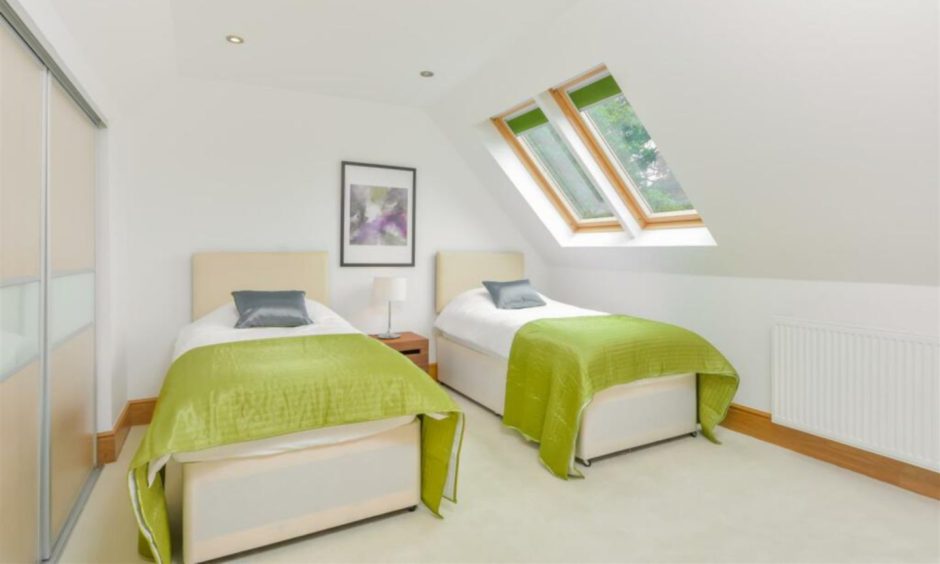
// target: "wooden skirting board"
[[136, 412], [758, 424], [742, 419]]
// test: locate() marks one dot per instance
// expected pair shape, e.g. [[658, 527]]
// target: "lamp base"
[[387, 336]]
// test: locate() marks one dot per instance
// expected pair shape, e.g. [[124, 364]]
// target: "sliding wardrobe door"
[[21, 188], [70, 303]]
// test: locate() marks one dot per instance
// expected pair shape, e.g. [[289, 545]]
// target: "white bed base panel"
[[230, 506], [637, 414], [479, 376], [619, 418]]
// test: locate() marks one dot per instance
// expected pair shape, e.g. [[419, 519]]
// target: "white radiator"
[[875, 390]]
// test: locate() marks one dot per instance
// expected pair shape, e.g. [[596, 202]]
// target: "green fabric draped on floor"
[[244, 391], [557, 365]]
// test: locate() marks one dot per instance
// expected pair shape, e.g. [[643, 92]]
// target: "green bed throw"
[[243, 391], [557, 365]]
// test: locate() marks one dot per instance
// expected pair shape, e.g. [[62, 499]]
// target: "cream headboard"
[[217, 275], [459, 271]]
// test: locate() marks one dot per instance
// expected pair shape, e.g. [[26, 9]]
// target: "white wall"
[[214, 166], [736, 314]]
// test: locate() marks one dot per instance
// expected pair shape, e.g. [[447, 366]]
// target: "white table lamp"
[[389, 289]]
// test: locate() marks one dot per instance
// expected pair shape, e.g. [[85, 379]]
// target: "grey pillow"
[[518, 294], [271, 309]]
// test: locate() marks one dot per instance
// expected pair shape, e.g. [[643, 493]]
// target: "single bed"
[[292, 484], [474, 338]]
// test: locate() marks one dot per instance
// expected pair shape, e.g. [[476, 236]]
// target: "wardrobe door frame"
[[46, 546]]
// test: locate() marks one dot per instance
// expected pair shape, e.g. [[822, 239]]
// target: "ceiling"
[[366, 49], [765, 110]]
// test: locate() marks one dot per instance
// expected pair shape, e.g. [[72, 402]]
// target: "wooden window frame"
[[552, 192], [626, 192]]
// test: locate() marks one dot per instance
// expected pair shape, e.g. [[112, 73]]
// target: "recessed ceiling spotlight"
[[426, 74], [236, 39]]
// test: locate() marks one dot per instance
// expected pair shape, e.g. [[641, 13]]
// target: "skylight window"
[[610, 128], [596, 164], [553, 165], [613, 119]]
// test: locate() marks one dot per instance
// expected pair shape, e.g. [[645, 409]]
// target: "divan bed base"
[[588, 462], [227, 506], [617, 419]]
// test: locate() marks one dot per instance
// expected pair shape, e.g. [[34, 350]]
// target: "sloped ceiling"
[[805, 132]]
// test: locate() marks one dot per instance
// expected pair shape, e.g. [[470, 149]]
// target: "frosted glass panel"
[[19, 327], [71, 305]]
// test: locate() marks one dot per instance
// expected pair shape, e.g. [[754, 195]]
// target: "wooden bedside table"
[[412, 345]]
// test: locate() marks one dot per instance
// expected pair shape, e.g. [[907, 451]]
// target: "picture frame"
[[377, 214]]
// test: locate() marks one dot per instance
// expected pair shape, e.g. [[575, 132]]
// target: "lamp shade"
[[390, 288]]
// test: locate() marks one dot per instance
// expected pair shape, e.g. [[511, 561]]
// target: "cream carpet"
[[682, 501]]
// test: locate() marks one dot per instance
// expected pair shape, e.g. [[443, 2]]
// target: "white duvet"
[[472, 319], [219, 327]]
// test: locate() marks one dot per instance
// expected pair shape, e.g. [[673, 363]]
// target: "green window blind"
[[594, 92], [526, 121]]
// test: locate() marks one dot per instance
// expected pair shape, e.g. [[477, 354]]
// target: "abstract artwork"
[[378, 215]]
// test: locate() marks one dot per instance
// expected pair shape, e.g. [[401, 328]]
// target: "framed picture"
[[377, 215]]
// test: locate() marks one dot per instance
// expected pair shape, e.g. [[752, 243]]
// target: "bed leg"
[[693, 434], [412, 509], [584, 461]]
